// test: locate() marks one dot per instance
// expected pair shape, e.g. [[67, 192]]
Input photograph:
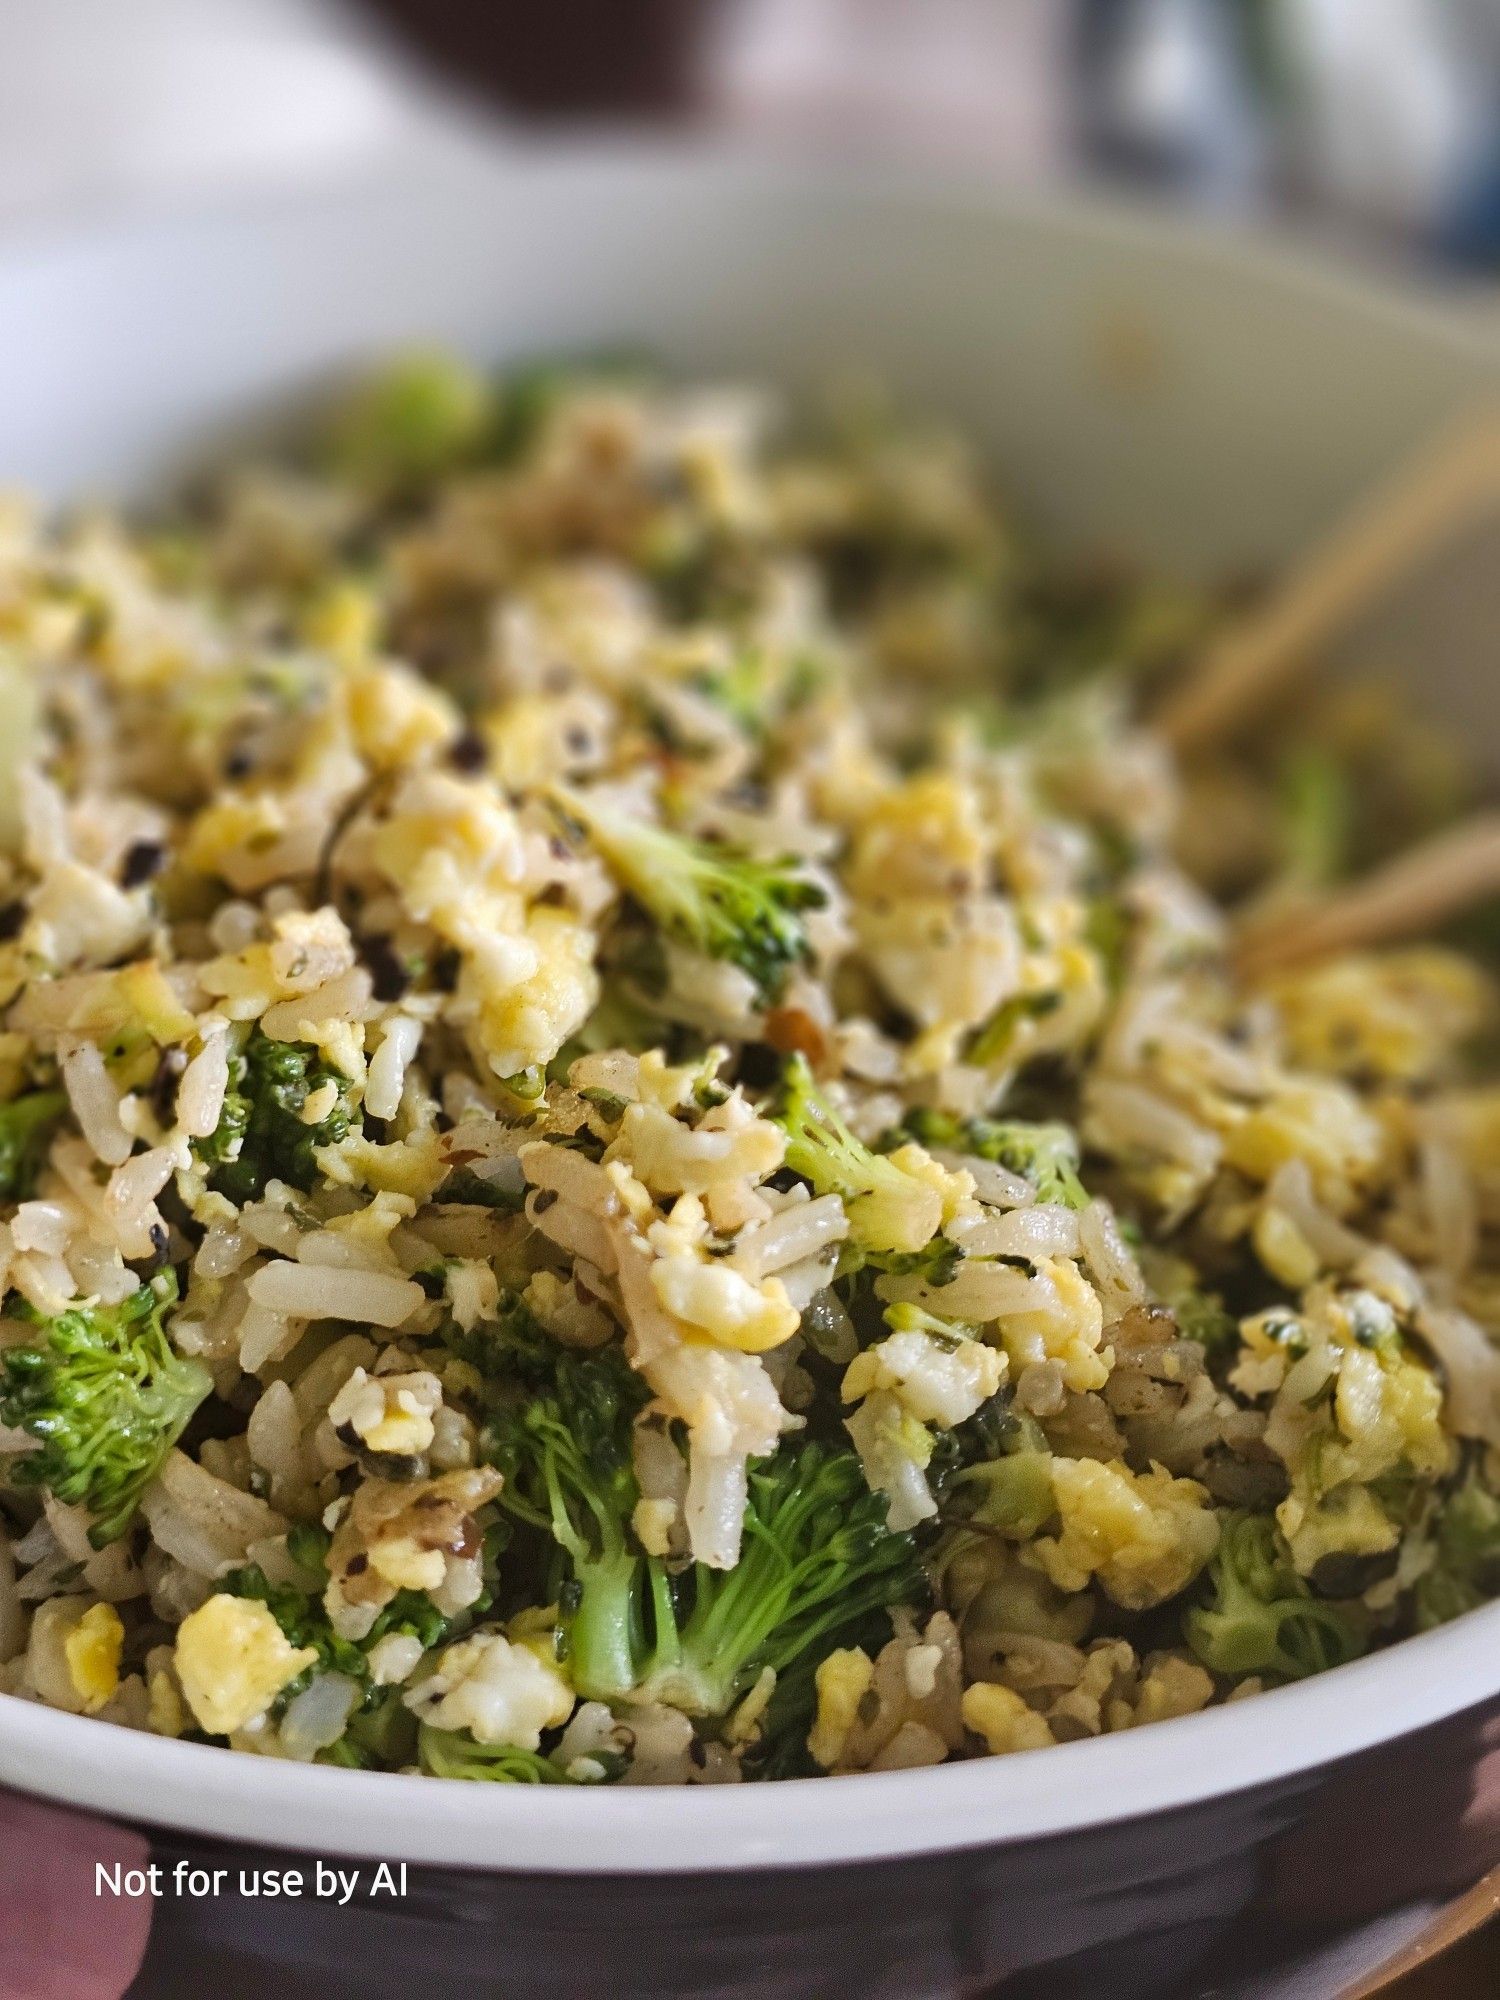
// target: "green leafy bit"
[[1317, 812], [1045, 1155], [26, 1126], [262, 1135], [105, 1397], [473, 1190], [728, 905], [880, 1197], [1262, 1618], [305, 1622], [1466, 1569], [993, 1042]]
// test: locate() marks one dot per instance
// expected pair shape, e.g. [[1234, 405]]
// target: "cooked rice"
[[354, 1007]]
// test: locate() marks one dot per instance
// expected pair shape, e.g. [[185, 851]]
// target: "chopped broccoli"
[[878, 1194], [1262, 1618], [305, 1622], [26, 1125], [106, 1398], [1010, 1495], [453, 1753], [1045, 1155], [817, 1559], [1317, 813], [1467, 1568], [726, 904], [417, 417], [756, 689], [560, 1432], [817, 1553], [993, 1041], [1202, 1316], [261, 1135]]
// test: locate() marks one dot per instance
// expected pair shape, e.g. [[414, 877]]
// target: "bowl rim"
[[1278, 1735], [1242, 1746]]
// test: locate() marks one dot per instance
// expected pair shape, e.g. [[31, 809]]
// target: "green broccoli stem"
[[604, 1625]]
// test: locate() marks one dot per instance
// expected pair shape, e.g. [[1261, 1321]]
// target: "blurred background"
[[1371, 127], [1376, 120]]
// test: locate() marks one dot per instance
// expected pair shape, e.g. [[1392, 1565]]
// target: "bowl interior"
[[1198, 402]]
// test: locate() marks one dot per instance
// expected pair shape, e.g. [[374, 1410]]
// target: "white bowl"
[[1203, 401]]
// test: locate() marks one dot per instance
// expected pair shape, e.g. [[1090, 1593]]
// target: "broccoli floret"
[[1466, 1572], [817, 1559], [105, 1396], [26, 1125], [417, 417], [1045, 1155], [453, 1753], [261, 1135], [726, 904], [877, 1192], [305, 1623], [817, 1554], [1262, 1618]]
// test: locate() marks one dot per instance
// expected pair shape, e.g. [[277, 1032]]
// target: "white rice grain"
[[200, 1095], [95, 1101], [42, 1225], [800, 1230], [305, 1291], [389, 1065]]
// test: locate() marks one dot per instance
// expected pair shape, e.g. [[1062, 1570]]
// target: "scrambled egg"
[[500, 1690], [1065, 1324], [232, 1660], [389, 1413], [1143, 1535], [1398, 1015], [1003, 1719], [92, 1651], [843, 1680], [1352, 1407], [934, 1382]]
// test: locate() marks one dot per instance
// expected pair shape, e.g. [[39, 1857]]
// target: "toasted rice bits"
[[630, 1147]]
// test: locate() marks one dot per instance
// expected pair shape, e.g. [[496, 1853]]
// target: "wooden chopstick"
[[1403, 899], [1389, 536]]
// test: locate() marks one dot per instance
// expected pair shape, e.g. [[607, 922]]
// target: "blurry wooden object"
[[1408, 897], [1456, 1958], [1386, 540]]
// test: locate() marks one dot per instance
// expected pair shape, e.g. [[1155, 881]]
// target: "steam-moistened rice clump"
[[629, 1149]]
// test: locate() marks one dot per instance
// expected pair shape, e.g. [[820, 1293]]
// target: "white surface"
[[1207, 402], [107, 105]]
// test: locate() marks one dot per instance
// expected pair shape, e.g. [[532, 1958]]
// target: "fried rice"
[[631, 1146]]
